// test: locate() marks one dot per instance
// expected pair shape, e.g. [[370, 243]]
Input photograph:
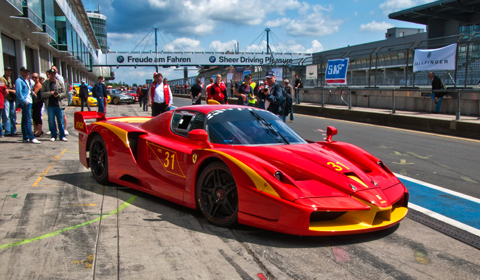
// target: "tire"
[[116, 101], [217, 195], [99, 160]]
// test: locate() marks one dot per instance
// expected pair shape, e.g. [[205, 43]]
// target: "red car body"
[[316, 188], [132, 93]]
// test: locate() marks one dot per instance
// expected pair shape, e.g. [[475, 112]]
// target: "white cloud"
[[262, 47], [294, 46], [316, 47], [391, 6], [375, 27], [278, 22], [313, 22], [184, 44], [218, 46], [280, 6]]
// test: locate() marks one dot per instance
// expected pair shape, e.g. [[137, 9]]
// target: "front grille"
[[324, 216]]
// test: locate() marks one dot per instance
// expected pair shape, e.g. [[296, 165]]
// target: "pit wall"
[[415, 100]]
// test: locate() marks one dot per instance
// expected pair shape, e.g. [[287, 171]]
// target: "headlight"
[[279, 175]]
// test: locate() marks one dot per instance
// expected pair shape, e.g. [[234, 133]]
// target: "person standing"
[[160, 97], [83, 94], [145, 97], [37, 106], [55, 99], [261, 95], [9, 115], [207, 91], [437, 84], [61, 79], [218, 91], [275, 95], [245, 92], [139, 95], [196, 92], [24, 100], [3, 93], [99, 91], [298, 86], [290, 91]]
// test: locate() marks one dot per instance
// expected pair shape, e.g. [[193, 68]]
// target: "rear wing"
[[81, 117]]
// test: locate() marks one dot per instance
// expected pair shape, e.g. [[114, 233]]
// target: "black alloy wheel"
[[99, 160], [116, 101], [217, 195]]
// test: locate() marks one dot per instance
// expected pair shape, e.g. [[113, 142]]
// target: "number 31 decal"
[[168, 161], [337, 166]]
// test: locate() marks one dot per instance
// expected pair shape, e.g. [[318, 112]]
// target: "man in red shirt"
[[218, 91]]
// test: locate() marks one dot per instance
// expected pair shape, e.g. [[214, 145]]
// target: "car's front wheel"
[[217, 195], [116, 101], [99, 160]]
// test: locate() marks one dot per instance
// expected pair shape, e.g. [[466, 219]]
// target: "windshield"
[[248, 126]]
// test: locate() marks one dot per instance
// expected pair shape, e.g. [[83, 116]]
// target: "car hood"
[[328, 169]]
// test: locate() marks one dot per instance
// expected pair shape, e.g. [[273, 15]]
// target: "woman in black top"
[[37, 106]]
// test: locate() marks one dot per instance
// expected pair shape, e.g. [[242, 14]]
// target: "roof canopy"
[[463, 11]]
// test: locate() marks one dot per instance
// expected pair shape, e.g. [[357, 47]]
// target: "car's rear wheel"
[[217, 195], [116, 101], [99, 160]]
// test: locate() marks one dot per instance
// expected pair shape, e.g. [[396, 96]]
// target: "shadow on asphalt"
[[192, 219]]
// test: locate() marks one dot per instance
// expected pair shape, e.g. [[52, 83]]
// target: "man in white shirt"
[[159, 95]]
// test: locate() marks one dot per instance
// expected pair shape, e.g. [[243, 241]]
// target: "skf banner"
[[336, 73], [435, 59]]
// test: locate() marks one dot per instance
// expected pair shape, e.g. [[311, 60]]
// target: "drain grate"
[[459, 234]]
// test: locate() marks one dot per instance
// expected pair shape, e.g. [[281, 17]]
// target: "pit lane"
[[66, 226]]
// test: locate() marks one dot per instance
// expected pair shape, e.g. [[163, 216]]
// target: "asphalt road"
[[56, 222]]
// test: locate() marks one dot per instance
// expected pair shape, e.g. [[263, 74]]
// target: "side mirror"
[[330, 132], [199, 135]]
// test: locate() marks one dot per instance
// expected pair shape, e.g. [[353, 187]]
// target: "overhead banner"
[[435, 59], [311, 72], [336, 73], [196, 59]]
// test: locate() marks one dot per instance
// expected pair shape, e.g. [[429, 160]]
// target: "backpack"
[[287, 104]]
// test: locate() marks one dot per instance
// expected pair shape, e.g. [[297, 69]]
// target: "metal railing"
[[454, 92]]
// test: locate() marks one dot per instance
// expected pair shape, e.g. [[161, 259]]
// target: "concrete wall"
[[416, 101]]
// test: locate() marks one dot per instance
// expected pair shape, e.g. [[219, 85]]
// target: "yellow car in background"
[[92, 101]]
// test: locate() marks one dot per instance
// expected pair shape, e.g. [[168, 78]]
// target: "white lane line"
[[442, 218], [464, 196]]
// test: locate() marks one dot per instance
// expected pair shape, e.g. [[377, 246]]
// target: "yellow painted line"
[[395, 128], [48, 168], [55, 233]]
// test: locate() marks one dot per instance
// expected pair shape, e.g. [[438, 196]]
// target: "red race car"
[[133, 94], [241, 164]]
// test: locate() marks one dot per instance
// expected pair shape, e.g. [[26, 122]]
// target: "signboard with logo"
[[435, 59], [336, 72], [229, 77], [195, 59], [278, 73], [311, 72]]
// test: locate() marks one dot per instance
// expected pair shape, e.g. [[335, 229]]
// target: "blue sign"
[[336, 72]]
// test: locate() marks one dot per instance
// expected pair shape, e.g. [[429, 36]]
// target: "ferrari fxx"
[[242, 164]]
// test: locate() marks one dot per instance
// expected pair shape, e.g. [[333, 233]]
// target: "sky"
[[217, 25]]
